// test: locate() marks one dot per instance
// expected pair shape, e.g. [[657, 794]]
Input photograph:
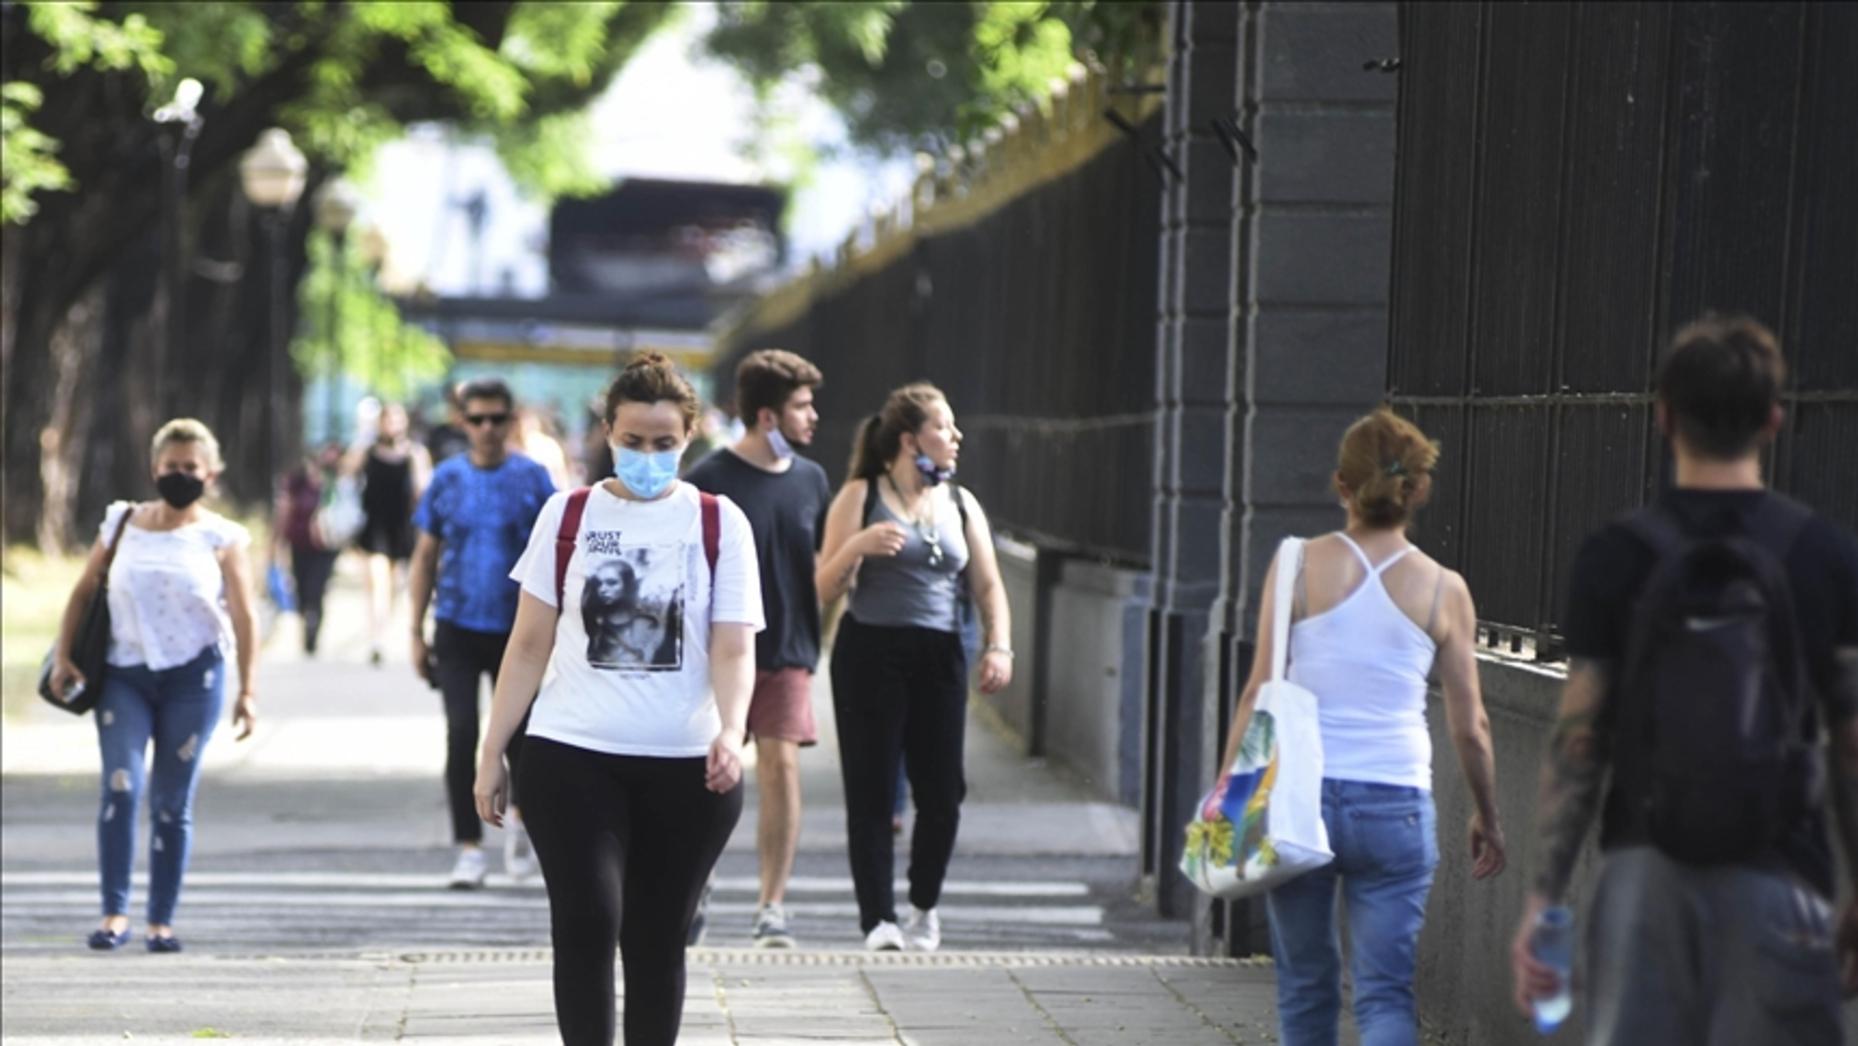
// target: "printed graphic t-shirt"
[[630, 674], [787, 511], [482, 518]]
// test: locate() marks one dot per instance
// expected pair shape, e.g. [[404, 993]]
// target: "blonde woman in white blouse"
[[180, 593]]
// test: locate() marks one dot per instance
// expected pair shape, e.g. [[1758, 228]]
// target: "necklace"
[[925, 529]]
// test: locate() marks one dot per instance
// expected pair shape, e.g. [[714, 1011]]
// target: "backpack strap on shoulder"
[[1777, 524], [870, 501], [712, 530], [1658, 528], [571, 514]]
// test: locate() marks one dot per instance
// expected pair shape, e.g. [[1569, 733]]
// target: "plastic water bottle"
[[1552, 942]]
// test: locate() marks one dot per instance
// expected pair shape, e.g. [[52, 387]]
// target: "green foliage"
[[80, 39], [349, 327], [31, 161], [925, 75], [372, 67]]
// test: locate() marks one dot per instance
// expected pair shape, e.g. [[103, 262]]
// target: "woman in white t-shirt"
[[640, 601], [179, 591]]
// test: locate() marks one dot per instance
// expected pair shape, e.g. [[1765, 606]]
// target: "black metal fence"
[[1038, 320], [1574, 182]]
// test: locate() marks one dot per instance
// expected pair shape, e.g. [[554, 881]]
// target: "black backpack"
[[1714, 749]]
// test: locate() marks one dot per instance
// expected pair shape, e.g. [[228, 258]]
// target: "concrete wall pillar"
[[1194, 400]]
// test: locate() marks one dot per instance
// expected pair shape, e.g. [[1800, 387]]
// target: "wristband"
[[995, 649]]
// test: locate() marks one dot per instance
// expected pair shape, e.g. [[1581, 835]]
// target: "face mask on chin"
[[180, 489], [932, 473], [777, 442], [647, 475]]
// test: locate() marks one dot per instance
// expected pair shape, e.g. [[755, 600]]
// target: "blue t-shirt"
[[482, 518]]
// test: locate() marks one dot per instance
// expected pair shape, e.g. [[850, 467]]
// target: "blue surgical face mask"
[[777, 443], [933, 474], [646, 475]]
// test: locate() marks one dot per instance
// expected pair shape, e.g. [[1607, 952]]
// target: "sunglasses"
[[486, 419]]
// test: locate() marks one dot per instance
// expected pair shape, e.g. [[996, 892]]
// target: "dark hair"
[[649, 378], [1385, 468], [486, 389], [1719, 383], [880, 436], [767, 378]]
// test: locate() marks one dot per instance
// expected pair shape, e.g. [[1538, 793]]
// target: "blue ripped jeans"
[[177, 708], [1385, 839]]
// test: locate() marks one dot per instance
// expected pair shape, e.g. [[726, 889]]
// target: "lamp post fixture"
[[336, 206], [179, 122], [272, 173]]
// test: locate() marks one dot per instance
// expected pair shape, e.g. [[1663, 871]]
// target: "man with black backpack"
[[1713, 643]]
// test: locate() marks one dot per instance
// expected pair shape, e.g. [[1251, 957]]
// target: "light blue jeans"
[[1385, 839], [177, 708]]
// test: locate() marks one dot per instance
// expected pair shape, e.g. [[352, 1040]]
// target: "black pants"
[[461, 657], [310, 570], [626, 844], [897, 693]]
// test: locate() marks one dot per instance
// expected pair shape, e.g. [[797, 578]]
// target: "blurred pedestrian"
[[532, 438], [393, 471], [449, 437], [180, 593], [1372, 617], [296, 535], [910, 546], [473, 521], [640, 599], [1710, 637], [784, 497]]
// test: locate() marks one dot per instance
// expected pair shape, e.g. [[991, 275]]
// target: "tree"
[[81, 195], [924, 76]]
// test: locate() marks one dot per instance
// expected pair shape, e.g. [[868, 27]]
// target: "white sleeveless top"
[[1367, 663], [167, 589]]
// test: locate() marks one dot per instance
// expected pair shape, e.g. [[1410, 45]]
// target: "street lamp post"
[[272, 173], [336, 205], [180, 124]]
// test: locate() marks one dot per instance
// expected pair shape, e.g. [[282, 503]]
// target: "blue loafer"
[[105, 941], [164, 945]]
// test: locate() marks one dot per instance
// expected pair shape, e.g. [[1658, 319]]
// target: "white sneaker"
[[923, 930], [884, 937], [468, 873], [518, 855], [771, 928]]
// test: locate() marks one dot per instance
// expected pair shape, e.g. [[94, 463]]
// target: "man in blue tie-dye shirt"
[[474, 522]]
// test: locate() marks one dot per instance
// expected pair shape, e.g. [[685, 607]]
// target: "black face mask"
[[180, 489]]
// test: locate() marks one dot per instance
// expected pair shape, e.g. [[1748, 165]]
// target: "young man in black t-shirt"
[[785, 497], [1711, 954]]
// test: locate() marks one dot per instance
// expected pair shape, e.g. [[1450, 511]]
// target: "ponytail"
[[867, 456]]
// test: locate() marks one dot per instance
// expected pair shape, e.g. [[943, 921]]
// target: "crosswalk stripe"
[[801, 884], [200, 900]]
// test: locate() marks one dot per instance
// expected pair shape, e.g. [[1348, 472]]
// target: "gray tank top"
[[915, 588]]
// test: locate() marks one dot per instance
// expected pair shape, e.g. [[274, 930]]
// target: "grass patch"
[[33, 591]]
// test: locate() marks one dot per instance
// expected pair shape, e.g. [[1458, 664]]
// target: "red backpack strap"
[[712, 531], [564, 540]]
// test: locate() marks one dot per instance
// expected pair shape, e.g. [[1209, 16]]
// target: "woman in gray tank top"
[[912, 548]]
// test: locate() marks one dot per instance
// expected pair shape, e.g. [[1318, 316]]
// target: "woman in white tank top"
[[1373, 616]]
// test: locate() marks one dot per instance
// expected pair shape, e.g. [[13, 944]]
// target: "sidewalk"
[[314, 912], [735, 997]]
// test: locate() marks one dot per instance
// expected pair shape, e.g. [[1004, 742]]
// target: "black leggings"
[[310, 569], [626, 844], [899, 692], [461, 656]]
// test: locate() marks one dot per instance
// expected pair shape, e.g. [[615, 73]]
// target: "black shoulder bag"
[[90, 644]]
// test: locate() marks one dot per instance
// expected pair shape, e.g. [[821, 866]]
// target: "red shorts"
[[782, 706]]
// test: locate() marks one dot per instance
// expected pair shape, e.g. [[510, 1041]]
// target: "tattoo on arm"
[[1573, 777]]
